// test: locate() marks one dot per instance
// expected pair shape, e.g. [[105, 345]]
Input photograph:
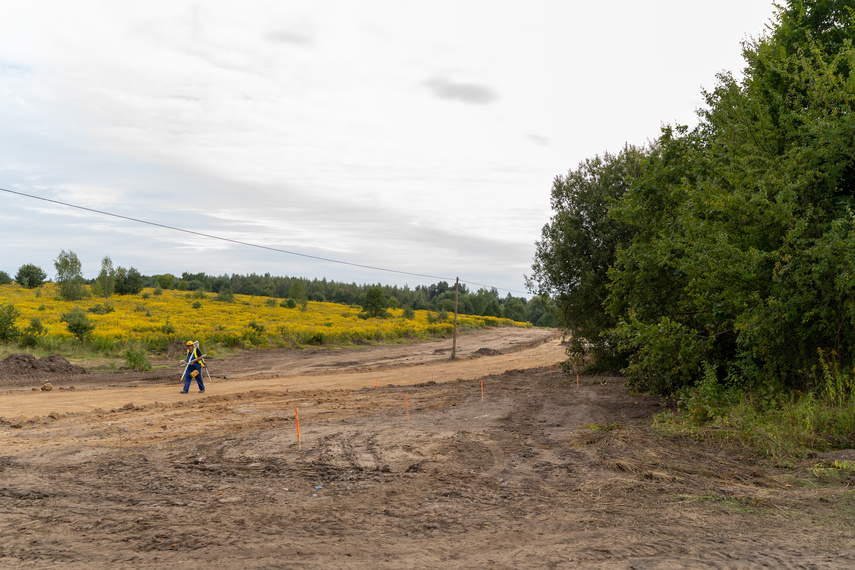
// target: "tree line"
[[723, 253], [540, 311]]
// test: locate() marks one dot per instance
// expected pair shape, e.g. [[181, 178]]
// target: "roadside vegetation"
[[716, 265]]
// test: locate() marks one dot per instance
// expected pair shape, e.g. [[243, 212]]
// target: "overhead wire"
[[247, 244]]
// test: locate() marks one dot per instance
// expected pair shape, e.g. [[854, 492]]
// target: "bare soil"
[[405, 459]]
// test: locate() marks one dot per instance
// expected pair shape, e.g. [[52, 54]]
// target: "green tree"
[[579, 246], [128, 281], [4, 278], [374, 303], [741, 265], [298, 293], [165, 281], [30, 276], [78, 323], [107, 277], [69, 276], [8, 315], [225, 294]]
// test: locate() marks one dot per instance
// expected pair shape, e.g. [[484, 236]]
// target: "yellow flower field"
[[153, 321]]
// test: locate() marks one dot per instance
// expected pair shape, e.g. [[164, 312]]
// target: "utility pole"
[[454, 338]]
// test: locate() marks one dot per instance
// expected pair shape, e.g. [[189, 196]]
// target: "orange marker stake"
[[297, 421], [577, 379], [482, 389], [377, 383], [407, 404]]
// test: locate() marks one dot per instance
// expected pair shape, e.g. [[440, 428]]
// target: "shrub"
[[78, 323], [225, 295], [8, 315], [196, 305], [409, 314], [31, 334], [136, 359], [270, 302], [288, 304], [100, 309]]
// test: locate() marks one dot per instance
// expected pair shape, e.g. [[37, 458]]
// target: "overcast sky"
[[421, 137]]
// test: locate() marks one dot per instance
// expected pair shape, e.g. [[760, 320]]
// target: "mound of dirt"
[[28, 365], [487, 352]]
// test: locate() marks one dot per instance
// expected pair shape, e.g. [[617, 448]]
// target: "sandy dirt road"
[[421, 471]]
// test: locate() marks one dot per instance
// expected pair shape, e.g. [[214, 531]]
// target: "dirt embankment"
[[425, 463]]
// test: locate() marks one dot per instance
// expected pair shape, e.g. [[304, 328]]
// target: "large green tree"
[[128, 281], [30, 276], [579, 245], [746, 244]]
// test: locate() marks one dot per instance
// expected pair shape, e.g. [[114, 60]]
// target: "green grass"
[[780, 426]]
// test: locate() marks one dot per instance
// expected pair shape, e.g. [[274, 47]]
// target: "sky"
[[420, 138]]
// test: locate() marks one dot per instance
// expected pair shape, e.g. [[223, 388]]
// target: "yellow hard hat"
[[189, 343]]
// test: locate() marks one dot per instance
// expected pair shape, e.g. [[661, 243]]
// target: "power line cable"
[[248, 244]]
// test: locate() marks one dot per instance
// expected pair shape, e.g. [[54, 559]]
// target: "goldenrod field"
[[153, 321]]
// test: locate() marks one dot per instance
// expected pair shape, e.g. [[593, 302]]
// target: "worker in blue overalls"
[[193, 368]]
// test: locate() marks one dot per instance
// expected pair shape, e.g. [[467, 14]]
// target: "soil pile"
[[27, 365]]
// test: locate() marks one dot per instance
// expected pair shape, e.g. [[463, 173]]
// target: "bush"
[[31, 334], [196, 305], [78, 323], [100, 309], [225, 295], [288, 304], [4, 278], [8, 315], [409, 314], [137, 360]]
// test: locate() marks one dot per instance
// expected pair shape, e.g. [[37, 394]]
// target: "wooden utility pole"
[[454, 338]]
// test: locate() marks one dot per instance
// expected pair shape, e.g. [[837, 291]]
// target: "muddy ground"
[[405, 460]]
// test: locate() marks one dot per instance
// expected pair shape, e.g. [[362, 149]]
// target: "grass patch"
[[772, 423]]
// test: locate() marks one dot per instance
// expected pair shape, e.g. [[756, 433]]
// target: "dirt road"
[[400, 463]]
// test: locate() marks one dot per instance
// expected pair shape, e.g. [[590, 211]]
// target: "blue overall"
[[192, 354]]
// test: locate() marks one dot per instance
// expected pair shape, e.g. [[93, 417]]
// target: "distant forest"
[[539, 311]]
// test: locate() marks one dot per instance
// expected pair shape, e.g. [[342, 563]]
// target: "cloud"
[[539, 139], [472, 93], [291, 37]]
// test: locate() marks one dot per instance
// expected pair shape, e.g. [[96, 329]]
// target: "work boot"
[[183, 391]]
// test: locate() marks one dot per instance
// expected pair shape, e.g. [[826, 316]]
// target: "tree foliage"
[[69, 276], [106, 279], [8, 329], [578, 247], [30, 276], [741, 257], [374, 303], [128, 281], [78, 323]]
